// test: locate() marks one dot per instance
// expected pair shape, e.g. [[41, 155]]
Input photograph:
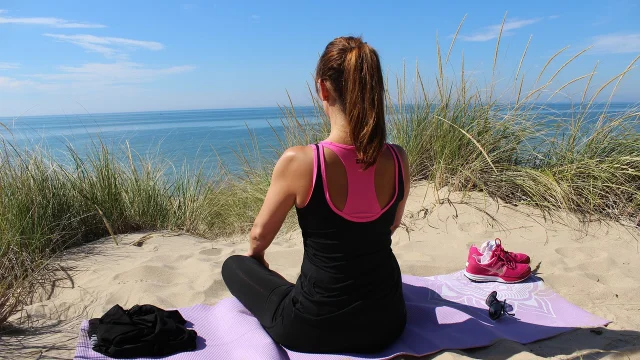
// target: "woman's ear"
[[323, 90]]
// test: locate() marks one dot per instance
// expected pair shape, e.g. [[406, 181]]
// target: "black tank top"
[[348, 269]]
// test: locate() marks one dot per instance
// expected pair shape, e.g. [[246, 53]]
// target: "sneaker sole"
[[487, 278]]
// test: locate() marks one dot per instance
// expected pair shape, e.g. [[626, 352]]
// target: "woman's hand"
[[259, 257]]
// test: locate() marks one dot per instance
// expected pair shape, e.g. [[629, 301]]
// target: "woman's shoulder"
[[297, 152], [401, 152], [296, 158], [404, 161]]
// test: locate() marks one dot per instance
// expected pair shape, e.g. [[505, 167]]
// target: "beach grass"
[[458, 136]]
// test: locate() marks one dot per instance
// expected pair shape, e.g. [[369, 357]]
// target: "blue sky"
[[111, 56]]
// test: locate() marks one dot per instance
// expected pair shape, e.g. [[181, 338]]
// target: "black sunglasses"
[[496, 307]]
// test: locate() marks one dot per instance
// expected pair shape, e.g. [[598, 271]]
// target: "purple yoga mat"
[[444, 312]]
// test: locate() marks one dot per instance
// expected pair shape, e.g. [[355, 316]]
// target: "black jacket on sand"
[[142, 331]]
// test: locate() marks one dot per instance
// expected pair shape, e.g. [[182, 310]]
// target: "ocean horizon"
[[4, 118], [183, 137]]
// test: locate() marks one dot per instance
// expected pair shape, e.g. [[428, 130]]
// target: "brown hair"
[[354, 75]]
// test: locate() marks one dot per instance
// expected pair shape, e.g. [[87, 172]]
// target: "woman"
[[349, 192]]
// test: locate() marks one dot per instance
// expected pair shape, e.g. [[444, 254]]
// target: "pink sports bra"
[[362, 202]]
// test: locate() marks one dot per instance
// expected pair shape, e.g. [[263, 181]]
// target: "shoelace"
[[504, 256], [505, 253]]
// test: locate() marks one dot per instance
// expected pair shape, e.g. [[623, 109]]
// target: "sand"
[[597, 267]]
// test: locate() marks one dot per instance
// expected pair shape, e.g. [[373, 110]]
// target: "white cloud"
[[111, 74], [96, 76], [88, 77], [492, 32], [47, 21], [2, 11], [616, 43], [255, 17], [188, 7], [11, 83], [107, 46], [9, 66], [553, 17]]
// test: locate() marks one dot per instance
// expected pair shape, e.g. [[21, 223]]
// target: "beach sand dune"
[[595, 267]]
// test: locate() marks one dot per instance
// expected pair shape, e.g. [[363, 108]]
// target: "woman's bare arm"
[[291, 179]]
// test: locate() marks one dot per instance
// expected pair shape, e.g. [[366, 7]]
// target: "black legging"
[[259, 289], [269, 297]]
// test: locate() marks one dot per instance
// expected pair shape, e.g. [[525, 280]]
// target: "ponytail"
[[353, 70]]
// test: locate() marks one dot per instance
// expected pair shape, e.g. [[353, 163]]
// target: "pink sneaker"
[[492, 244], [500, 267]]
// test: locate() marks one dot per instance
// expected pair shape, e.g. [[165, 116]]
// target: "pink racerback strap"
[[362, 202]]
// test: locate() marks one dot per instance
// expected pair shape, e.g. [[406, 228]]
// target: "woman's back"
[[347, 226]]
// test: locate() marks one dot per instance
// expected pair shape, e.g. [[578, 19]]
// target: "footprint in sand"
[[211, 252], [222, 251], [474, 227], [216, 290], [151, 274], [580, 253]]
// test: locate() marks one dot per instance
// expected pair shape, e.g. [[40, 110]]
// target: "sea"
[[195, 139], [192, 138]]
